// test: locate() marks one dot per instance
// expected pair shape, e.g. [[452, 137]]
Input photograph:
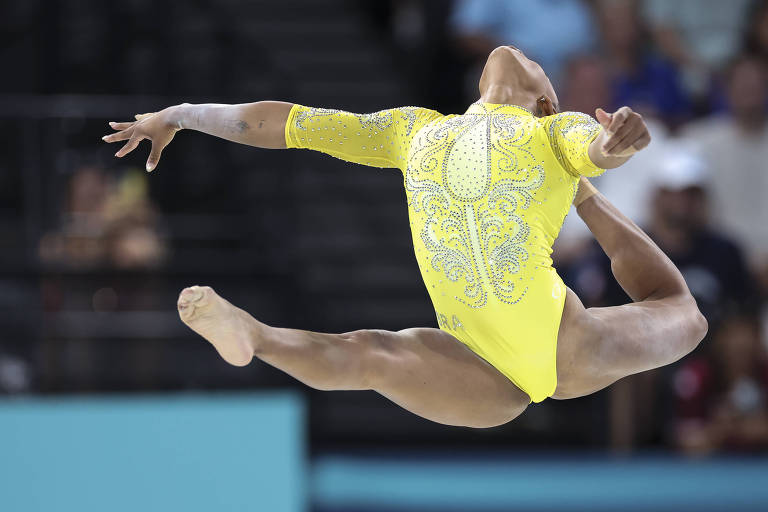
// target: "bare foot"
[[230, 330]]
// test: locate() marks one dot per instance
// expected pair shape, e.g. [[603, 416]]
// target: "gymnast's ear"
[[546, 107]]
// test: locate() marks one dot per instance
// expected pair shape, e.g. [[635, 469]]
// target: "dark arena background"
[[109, 402]]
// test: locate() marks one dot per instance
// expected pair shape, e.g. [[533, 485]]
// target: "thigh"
[[431, 373], [603, 345]]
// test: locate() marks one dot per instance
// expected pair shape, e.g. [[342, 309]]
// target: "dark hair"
[[539, 111]]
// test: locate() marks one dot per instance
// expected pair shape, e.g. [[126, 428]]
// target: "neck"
[[504, 94]]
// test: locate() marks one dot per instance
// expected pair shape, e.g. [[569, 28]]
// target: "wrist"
[[179, 116], [602, 159]]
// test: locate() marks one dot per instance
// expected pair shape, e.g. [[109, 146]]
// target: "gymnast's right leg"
[[426, 371]]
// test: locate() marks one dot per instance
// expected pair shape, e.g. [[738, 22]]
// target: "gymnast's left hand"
[[158, 127]]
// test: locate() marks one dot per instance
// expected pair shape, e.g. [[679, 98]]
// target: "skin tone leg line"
[[428, 371]]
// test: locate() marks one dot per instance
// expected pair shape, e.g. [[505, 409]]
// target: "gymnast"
[[487, 192]]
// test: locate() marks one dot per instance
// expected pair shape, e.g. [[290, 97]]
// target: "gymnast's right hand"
[[158, 127]]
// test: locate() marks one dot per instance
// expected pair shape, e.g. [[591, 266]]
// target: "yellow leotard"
[[487, 193]]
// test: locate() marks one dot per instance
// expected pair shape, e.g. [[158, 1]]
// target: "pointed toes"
[[194, 294]]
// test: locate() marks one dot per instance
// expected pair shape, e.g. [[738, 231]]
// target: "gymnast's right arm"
[[260, 124]]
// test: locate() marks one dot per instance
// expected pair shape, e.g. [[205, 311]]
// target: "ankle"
[[258, 336]]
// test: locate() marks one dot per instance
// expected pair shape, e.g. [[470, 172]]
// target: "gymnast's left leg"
[[426, 371]]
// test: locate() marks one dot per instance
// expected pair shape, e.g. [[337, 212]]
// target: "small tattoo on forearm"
[[236, 125], [261, 123]]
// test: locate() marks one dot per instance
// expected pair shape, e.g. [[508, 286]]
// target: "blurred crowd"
[[697, 70]]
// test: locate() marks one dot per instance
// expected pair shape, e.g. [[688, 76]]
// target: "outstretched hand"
[[625, 132], [155, 126]]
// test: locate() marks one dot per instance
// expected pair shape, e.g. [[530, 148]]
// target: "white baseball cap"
[[680, 169]]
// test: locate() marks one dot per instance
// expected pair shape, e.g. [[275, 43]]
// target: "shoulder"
[[411, 112], [411, 119], [563, 122], [570, 129]]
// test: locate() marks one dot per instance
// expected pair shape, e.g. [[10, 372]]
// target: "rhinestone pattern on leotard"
[[470, 179], [473, 227]]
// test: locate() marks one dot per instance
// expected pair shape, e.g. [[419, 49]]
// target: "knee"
[[696, 325], [699, 328]]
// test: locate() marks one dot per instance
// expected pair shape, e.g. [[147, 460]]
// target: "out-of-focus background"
[[111, 403]]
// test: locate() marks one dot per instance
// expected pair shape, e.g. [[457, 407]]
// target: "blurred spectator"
[[78, 243], [548, 31], [735, 147], [699, 36], [639, 77], [105, 223], [133, 234], [712, 265], [722, 400], [629, 187], [586, 85]]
